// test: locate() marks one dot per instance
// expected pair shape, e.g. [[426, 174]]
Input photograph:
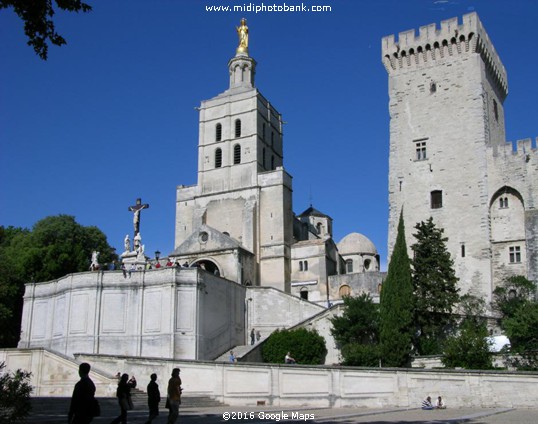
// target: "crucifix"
[[136, 209]]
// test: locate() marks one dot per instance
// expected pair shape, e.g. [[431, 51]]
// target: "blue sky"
[[111, 116]]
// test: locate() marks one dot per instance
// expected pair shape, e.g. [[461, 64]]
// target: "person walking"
[[174, 396], [154, 397], [83, 406], [123, 393]]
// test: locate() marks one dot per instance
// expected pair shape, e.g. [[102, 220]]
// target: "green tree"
[[38, 24], [306, 347], [356, 332], [522, 328], [396, 306], [470, 347], [15, 399], [435, 288], [514, 293], [56, 246]]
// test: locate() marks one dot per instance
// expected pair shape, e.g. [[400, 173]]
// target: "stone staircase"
[[239, 352]]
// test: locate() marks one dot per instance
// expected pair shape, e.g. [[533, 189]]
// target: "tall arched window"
[[237, 154], [272, 139], [263, 131], [218, 158], [272, 162], [263, 157], [218, 132], [237, 128]]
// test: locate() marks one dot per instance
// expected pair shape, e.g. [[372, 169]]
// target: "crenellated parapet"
[[524, 149], [451, 40]]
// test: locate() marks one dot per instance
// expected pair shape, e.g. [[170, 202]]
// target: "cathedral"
[[238, 221]]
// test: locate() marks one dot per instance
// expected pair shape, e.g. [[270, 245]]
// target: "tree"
[[515, 292], [522, 328], [38, 24], [56, 246], [435, 288], [470, 348], [15, 400], [306, 347], [396, 307], [356, 332]]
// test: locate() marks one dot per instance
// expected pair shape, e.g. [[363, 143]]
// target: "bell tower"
[[243, 190]]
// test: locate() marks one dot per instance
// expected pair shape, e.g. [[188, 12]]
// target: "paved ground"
[[52, 410]]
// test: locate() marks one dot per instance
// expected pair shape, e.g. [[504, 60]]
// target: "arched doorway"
[[207, 265]]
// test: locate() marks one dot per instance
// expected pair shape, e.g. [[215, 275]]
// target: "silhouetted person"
[[83, 405], [154, 397], [174, 396], [123, 393]]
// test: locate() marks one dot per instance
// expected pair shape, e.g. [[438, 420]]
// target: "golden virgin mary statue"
[[242, 32]]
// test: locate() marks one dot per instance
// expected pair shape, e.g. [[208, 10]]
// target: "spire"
[[242, 66]]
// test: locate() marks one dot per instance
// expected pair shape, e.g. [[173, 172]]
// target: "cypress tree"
[[396, 306], [435, 288]]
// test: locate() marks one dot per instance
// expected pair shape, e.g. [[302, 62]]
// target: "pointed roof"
[[206, 239], [312, 211]]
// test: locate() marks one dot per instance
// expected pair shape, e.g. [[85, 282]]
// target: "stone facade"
[[448, 154]]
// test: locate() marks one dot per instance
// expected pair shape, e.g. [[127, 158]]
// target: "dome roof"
[[356, 243]]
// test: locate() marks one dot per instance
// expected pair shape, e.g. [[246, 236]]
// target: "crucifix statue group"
[[137, 239]]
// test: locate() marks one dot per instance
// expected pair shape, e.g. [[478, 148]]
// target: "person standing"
[[123, 393], [154, 397], [174, 396], [83, 405], [232, 356], [253, 336]]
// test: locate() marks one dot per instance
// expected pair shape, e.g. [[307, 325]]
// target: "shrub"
[[306, 347], [15, 392]]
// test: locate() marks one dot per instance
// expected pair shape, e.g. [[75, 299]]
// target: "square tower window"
[[420, 148], [515, 254], [436, 199]]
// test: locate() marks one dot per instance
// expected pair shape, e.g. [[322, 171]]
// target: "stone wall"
[[288, 385], [167, 313]]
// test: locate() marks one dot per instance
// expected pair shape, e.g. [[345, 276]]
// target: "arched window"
[[237, 154], [349, 266], [272, 138], [306, 265], [263, 157], [367, 264], [237, 128], [319, 227], [304, 293], [218, 132], [263, 131], [300, 265], [218, 158], [272, 162]]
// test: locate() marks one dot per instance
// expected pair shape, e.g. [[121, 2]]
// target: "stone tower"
[[448, 156], [243, 190]]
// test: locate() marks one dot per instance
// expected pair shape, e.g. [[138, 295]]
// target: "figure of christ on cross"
[[136, 209]]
